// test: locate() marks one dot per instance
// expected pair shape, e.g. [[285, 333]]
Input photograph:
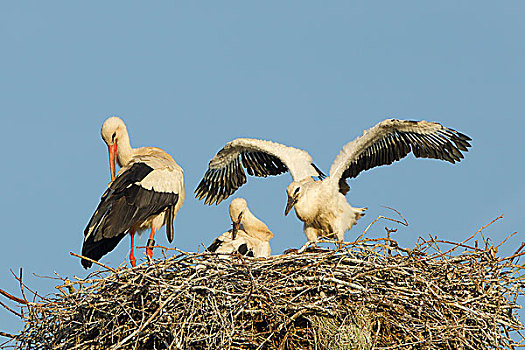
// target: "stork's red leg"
[[151, 242], [132, 252]]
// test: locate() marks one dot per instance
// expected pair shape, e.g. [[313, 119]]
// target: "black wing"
[[219, 184], [215, 245], [392, 140], [262, 158], [124, 205]]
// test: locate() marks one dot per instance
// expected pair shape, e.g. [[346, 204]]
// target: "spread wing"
[[225, 172], [392, 140]]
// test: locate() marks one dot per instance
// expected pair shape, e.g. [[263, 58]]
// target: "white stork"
[[249, 235], [321, 204], [147, 193]]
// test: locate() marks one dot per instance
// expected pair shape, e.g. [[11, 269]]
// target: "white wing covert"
[[392, 140], [261, 158], [166, 178]]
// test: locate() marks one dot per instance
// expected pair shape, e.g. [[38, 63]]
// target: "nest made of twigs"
[[370, 294]]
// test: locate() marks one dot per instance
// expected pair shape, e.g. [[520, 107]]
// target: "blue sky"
[[190, 76]]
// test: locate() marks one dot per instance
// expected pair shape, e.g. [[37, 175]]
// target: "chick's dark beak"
[[235, 229], [236, 225], [289, 205]]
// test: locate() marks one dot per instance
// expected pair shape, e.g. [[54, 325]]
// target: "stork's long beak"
[[235, 229], [289, 205], [112, 150], [236, 225]]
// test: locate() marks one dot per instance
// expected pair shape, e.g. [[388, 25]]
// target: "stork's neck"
[[124, 150], [255, 227], [310, 200]]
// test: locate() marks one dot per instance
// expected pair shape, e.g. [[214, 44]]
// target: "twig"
[[12, 297], [404, 222], [505, 240], [467, 239], [11, 310], [93, 261], [7, 335]]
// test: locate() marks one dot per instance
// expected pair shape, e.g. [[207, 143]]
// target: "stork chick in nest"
[[249, 235]]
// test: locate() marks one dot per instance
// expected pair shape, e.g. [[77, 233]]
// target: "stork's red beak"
[[112, 150]]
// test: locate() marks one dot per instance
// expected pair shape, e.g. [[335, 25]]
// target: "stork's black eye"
[[296, 190], [113, 137]]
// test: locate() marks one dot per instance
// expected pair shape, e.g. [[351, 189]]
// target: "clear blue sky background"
[[190, 76]]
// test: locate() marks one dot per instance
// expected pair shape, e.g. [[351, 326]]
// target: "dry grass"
[[371, 294]]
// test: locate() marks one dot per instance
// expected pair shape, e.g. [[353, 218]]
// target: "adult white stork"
[[147, 193], [249, 235], [321, 204]]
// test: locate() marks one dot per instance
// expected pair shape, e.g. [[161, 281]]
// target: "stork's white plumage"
[[249, 236], [147, 193], [321, 204]]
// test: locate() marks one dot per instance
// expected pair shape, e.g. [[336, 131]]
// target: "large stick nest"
[[371, 294]]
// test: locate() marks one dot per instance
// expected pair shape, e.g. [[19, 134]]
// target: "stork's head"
[[112, 129], [238, 207], [294, 191]]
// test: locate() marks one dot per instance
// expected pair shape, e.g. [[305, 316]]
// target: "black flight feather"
[[124, 205], [215, 245], [445, 144], [219, 184]]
